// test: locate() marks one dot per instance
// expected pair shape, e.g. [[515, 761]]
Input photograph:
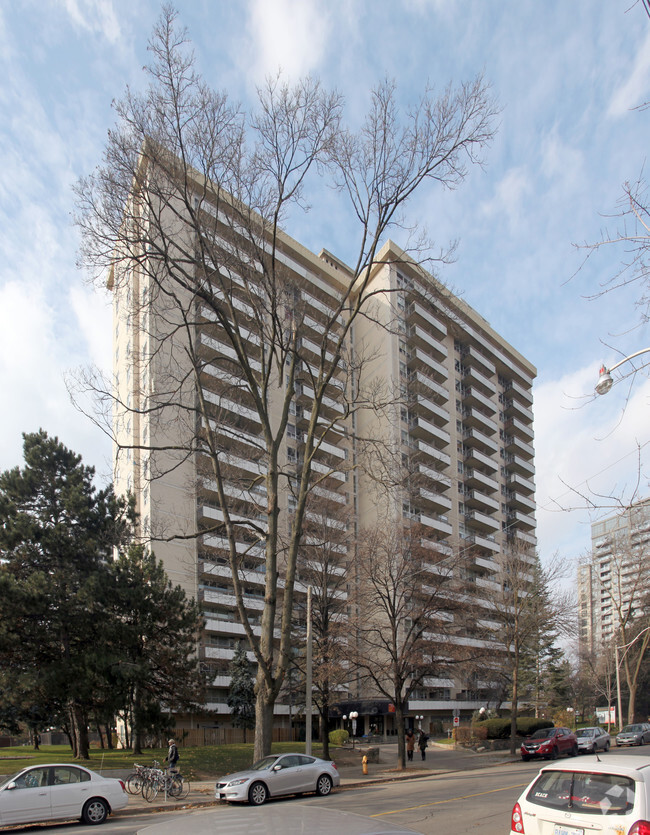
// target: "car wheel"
[[257, 794], [607, 745], [324, 785], [554, 754], [95, 811]]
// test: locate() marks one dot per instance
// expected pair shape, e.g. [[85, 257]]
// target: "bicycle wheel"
[[184, 789], [150, 790], [175, 786], [134, 783]]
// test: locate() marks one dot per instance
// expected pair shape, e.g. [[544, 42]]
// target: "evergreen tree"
[[241, 695], [154, 629], [56, 534]]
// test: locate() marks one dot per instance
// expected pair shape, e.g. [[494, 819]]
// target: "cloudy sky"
[[568, 77]]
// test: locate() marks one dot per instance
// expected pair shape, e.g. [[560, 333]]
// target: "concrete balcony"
[[476, 458], [419, 337], [417, 312], [516, 445], [520, 393], [476, 438], [522, 520], [475, 498], [420, 360], [472, 356], [473, 397], [476, 418], [441, 480], [517, 464], [473, 376], [515, 481], [439, 415], [432, 452], [476, 520], [521, 502], [437, 523], [430, 499], [517, 427], [421, 428], [419, 380], [478, 478], [515, 408]]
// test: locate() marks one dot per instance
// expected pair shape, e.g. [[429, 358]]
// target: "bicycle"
[[172, 783]]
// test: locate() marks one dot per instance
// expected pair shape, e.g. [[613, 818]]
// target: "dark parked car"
[[637, 734], [549, 743], [592, 740]]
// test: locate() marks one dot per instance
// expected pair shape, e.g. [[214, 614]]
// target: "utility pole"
[[308, 663]]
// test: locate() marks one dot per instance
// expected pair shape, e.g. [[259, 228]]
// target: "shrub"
[[526, 725], [338, 737]]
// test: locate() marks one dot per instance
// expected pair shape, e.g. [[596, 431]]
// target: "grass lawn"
[[204, 763]]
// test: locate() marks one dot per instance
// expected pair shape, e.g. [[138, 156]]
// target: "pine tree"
[[241, 696]]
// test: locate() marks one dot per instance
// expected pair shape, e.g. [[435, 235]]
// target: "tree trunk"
[[79, 732], [324, 731], [263, 721], [401, 744], [513, 711]]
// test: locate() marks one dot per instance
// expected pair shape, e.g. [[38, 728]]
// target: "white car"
[[279, 774], [606, 795], [59, 791]]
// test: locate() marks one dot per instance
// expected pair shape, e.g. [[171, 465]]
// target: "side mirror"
[[277, 768], [9, 786]]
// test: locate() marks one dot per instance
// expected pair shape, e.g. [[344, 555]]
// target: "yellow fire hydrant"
[[364, 764]]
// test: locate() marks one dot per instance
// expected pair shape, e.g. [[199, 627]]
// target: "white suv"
[[609, 796]]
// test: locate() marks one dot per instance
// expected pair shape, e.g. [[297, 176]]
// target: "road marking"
[[448, 800]]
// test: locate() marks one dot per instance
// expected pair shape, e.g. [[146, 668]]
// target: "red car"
[[549, 743]]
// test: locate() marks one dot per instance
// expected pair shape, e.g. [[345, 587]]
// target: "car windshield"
[[632, 729], [587, 732], [589, 794], [9, 779], [543, 733], [264, 763]]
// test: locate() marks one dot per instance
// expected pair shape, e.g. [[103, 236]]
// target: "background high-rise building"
[[612, 583]]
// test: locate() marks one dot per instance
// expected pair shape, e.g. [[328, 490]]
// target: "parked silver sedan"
[[592, 740], [637, 734], [278, 774]]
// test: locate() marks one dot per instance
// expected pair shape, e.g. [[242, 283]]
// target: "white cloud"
[[636, 89], [97, 16], [287, 35], [509, 195]]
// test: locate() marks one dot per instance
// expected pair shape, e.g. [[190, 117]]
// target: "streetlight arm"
[[605, 379], [631, 357]]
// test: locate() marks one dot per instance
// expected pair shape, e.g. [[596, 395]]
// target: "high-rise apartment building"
[[612, 584], [461, 419]]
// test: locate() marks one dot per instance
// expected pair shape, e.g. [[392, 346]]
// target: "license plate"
[[560, 829]]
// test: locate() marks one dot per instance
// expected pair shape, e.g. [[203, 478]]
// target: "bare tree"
[[185, 214], [411, 604], [521, 607], [323, 565]]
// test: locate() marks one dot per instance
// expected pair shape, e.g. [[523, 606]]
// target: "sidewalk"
[[439, 760]]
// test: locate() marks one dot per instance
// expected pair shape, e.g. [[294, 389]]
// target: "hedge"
[[499, 728]]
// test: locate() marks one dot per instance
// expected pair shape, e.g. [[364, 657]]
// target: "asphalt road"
[[461, 802]]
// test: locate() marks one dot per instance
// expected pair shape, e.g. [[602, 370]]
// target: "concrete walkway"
[[439, 760]]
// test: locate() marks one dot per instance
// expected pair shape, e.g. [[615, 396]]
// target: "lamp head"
[[605, 381]]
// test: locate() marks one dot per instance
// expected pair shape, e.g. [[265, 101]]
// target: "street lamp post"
[[354, 716], [618, 675], [605, 379], [419, 719]]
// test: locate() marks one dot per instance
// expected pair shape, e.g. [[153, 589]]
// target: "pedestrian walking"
[[410, 744], [422, 744]]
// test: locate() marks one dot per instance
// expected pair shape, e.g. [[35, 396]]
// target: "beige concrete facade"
[[464, 420]]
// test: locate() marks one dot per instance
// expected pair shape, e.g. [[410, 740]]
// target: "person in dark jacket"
[[172, 755], [422, 744]]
